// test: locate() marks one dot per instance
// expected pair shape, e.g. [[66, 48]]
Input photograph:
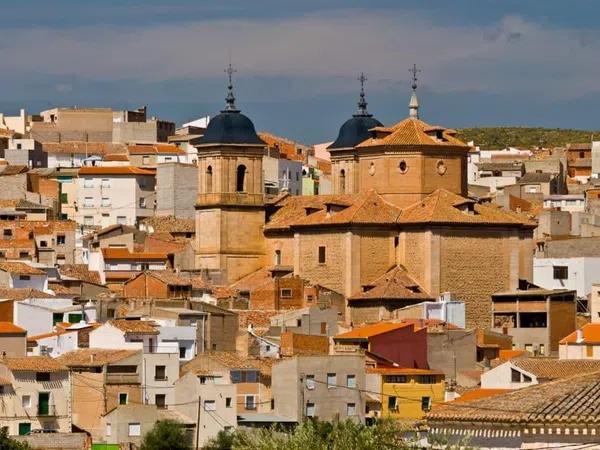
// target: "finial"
[[230, 99], [413, 105], [362, 102]]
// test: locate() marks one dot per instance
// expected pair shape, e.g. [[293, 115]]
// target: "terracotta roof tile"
[[570, 400], [590, 334], [231, 360], [11, 328], [125, 255], [372, 330], [80, 272], [116, 157], [170, 224], [474, 394], [33, 364], [115, 170], [413, 132], [94, 357], [395, 284], [85, 148], [552, 368], [135, 326], [22, 294], [444, 207], [20, 268], [154, 149]]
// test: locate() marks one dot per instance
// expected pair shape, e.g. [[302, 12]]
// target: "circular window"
[[372, 169], [441, 167], [402, 166]]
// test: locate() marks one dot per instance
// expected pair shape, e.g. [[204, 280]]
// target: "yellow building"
[[408, 393]]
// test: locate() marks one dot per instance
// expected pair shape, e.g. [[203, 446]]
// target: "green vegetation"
[[166, 435], [492, 138], [7, 443]]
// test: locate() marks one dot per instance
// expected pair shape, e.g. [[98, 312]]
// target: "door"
[[43, 403], [24, 428]]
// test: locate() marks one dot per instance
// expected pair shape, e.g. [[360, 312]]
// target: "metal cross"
[[414, 72], [230, 71], [362, 80]]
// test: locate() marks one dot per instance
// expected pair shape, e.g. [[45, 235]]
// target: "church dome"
[[356, 129], [231, 126]]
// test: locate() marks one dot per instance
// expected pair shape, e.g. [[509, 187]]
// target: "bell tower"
[[230, 209]]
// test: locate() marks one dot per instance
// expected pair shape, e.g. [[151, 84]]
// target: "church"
[[398, 228]]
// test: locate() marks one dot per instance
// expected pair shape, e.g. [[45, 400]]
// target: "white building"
[[15, 275], [567, 202], [583, 343], [160, 359], [39, 316], [577, 273], [114, 195]]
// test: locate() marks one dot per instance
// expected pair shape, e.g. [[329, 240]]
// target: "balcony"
[[45, 410]]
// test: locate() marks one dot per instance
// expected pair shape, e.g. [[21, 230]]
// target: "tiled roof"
[[323, 210], [413, 132], [94, 357], [14, 170], [22, 294], [395, 284], [287, 148], [507, 355], [474, 394], [590, 335], [255, 317], [20, 268], [231, 360], [444, 207], [372, 330], [534, 177], [80, 272], [85, 148], [580, 146], [170, 224], [11, 328], [33, 363], [135, 326], [552, 369], [115, 170], [125, 255], [154, 149], [116, 157], [252, 281], [571, 400], [167, 277]]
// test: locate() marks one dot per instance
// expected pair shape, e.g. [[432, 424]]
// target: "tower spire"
[[362, 102], [230, 99], [413, 105]]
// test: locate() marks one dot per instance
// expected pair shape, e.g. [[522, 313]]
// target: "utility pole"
[[198, 423], [303, 409]]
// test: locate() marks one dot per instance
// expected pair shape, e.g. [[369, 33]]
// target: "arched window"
[[342, 181], [240, 181], [277, 257], [209, 179]]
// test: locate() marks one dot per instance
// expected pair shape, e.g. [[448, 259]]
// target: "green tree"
[[166, 435], [7, 443], [223, 441]]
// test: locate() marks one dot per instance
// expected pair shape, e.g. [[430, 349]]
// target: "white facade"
[[505, 375], [582, 272], [56, 344], [66, 160], [28, 281], [38, 316], [104, 200], [571, 203], [18, 123], [184, 337]]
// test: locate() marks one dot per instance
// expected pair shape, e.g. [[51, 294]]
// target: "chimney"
[[579, 335]]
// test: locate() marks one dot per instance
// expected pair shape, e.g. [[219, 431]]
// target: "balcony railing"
[[46, 410], [122, 378]]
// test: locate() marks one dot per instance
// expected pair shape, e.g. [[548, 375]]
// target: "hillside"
[[490, 138]]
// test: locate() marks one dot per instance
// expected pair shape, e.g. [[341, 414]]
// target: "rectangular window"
[[121, 220], [331, 380], [24, 428], [351, 409], [392, 404], [135, 429], [75, 317], [210, 405], [560, 272], [515, 376], [123, 397], [160, 400], [7, 233], [23, 255], [310, 382], [61, 239], [142, 202], [236, 376], [108, 429], [160, 373], [285, 293], [105, 183], [227, 402], [105, 201], [425, 403], [310, 409], [427, 379], [88, 220], [88, 183], [88, 202], [24, 277], [351, 381], [145, 160], [322, 255], [181, 352], [26, 401], [395, 378], [250, 402], [323, 327], [42, 376]]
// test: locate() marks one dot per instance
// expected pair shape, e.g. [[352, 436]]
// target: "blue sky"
[[484, 62]]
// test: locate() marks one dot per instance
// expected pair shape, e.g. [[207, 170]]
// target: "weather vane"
[[414, 72]]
